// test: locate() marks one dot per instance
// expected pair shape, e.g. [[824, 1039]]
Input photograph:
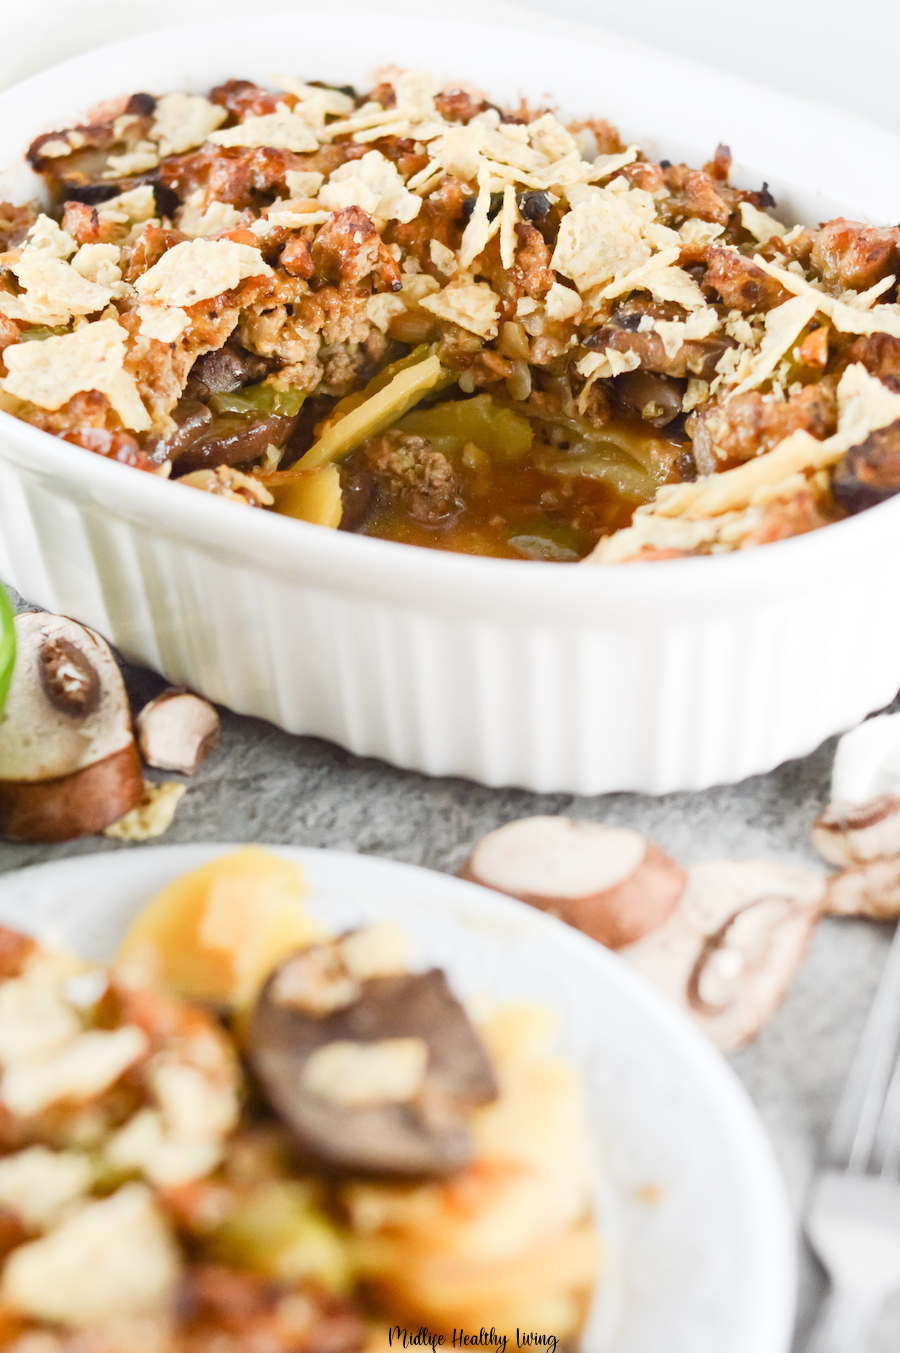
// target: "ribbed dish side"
[[578, 708]]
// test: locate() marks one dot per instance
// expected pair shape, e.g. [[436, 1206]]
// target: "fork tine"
[[860, 1110], [887, 1136]]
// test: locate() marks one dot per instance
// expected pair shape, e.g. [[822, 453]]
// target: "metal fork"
[[853, 1217]]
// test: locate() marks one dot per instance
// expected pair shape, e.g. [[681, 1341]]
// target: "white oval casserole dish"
[[653, 677]]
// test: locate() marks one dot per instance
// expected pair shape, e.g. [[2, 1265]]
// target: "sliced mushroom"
[[370, 1073], [226, 369], [654, 397], [610, 882], [177, 731], [232, 440], [192, 420], [728, 953], [871, 890], [696, 357], [854, 833], [68, 762]]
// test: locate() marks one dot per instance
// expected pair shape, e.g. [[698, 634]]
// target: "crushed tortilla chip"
[[49, 373], [153, 815], [473, 306], [197, 270], [281, 130]]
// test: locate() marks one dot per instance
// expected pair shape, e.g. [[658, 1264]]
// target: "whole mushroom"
[[177, 731], [69, 765]]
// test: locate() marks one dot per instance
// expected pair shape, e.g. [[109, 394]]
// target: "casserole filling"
[[415, 315]]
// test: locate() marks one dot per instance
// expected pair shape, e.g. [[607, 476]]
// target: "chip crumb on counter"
[[152, 816]]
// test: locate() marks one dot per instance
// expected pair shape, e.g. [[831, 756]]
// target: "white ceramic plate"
[[709, 1267]]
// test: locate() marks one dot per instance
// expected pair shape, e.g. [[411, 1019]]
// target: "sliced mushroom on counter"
[[371, 1072], [871, 890], [729, 951], [848, 834], [859, 831], [177, 731], [69, 765], [609, 882]]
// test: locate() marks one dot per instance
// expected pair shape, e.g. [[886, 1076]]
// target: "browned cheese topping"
[[413, 314]]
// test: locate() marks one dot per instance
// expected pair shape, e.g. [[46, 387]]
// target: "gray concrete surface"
[[264, 785]]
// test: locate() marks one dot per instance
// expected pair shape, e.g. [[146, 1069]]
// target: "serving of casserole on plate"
[[274, 1223], [494, 328]]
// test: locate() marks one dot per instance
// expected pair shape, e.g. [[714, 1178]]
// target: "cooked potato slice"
[[215, 934], [314, 497]]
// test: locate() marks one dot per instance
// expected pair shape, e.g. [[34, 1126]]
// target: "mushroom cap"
[[424, 1135], [40, 737], [69, 766]]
